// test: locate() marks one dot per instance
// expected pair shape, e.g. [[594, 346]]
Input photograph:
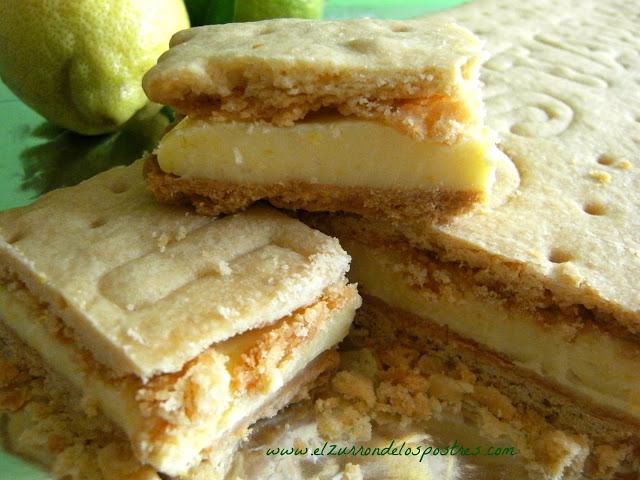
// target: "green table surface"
[[36, 156]]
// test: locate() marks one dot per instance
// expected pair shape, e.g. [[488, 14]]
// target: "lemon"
[[80, 63], [249, 10]]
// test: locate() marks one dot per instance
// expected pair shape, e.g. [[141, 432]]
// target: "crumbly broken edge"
[[415, 370], [438, 118], [419, 104], [433, 269], [210, 197], [71, 437], [82, 444], [181, 390]]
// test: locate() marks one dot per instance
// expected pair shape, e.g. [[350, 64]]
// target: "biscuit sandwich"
[[537, 293], [135, 331], [380, 118]]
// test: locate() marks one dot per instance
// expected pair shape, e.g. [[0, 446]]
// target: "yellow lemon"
[[80, 63]]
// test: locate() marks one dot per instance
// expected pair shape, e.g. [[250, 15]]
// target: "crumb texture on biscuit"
[[49, 421], [417, 75], [591, 357], [210, 197], [172, 419], [118, 268], [396, 371]]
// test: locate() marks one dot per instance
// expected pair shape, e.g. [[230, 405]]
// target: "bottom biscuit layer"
[[172, 418], [420, 370], [211, 197], [46, 421]]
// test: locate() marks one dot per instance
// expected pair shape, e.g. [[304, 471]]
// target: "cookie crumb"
[[600, 176]]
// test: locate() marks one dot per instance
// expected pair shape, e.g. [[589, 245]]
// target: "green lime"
[[198, 10], [208, 12], [250, 10]]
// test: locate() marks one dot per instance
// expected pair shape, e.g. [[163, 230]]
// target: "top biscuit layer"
[[562, 92], [146, 287], [279, 70]]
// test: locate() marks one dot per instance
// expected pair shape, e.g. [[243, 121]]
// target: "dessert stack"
[[529, 304], [140, 340], [498, 282], [380, 118]]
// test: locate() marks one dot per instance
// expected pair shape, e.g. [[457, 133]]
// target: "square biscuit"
[[145, 288]]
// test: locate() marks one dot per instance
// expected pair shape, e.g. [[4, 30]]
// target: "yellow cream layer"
[[332, 150], [175, 452], [590, 362]]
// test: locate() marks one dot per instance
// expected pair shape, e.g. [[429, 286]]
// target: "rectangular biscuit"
[[562, 95], [119, 269], [176, 331], [379, 118]]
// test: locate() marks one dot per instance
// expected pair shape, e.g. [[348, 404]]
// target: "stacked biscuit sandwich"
[[528, 306], [379, 118], [140, 340], [532, 291], [524, 314], [498, 284]]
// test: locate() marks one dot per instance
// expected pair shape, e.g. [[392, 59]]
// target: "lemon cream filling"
[[330, 149], [216, 403], [588, 361]]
